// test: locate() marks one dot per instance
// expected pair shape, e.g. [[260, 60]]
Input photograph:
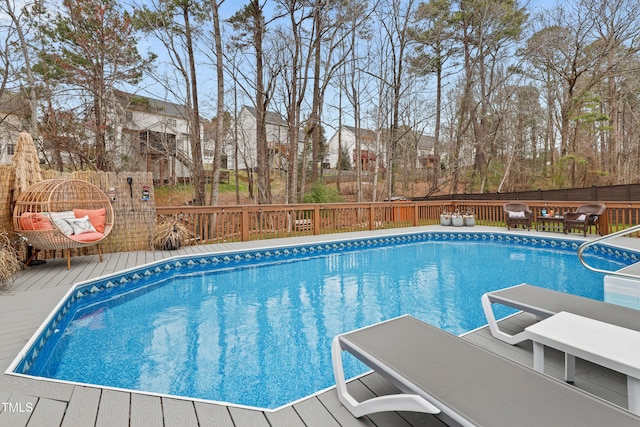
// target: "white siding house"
[[245, 128], [418, 147], [13, 110], [155, 137], [371, 149]]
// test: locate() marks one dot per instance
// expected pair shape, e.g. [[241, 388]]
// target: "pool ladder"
[[619, 273]]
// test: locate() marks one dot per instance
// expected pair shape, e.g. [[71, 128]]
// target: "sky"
[[206, 76]]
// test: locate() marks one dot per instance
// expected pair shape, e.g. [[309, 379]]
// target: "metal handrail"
[[585, 245]]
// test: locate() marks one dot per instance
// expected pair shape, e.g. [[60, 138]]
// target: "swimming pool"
[[258, 326]]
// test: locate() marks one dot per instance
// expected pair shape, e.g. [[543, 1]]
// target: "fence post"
[[415, 214], [317, 229], [372, 217], [245, 225]]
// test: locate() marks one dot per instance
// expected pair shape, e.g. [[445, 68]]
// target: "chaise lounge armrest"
[[543, 303]]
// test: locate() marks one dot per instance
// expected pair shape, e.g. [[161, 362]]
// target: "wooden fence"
[[243, 223], [134, 208], [136, 214], [611, 193]]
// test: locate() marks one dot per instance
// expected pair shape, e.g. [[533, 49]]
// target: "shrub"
[[320, 193]]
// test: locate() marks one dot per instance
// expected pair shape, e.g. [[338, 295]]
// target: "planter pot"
[[469, 220], [457, 221], [445, 219]]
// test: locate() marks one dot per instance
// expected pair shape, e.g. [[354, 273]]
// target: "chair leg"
[[99, 252], [394, 402], [68, 259]]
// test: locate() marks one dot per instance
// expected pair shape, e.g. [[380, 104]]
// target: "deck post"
[[372, 217], [317, 229], [245, 225]]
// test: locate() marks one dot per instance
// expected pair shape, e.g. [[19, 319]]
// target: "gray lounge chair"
[[443, 373], [544, 302]]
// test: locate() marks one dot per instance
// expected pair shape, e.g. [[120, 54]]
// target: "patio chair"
[[543, 302], [584, 217], [443, 374], [63, 214], [516, 214]]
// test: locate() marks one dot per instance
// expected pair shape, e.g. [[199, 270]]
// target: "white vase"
[[445, 219], [469, 220], [457, 220]]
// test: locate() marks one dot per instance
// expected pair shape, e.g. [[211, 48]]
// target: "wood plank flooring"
[[30, 402]]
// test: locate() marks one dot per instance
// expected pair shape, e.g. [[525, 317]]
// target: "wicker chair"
[[51, 214], [584, 217], [516, 214]]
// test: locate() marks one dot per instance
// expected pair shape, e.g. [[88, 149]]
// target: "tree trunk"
[[219, 134], [196, 143]]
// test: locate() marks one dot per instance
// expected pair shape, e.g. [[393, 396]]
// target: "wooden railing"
[[210, 224]]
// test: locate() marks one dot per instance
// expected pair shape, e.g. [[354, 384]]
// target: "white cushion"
[[581, 218], [59, 220], [516, 215], [81, 225]]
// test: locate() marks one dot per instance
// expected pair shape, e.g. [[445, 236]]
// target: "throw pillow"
[[59, 220], [96, 216], [81, 225], [516, 215], [34, 221]]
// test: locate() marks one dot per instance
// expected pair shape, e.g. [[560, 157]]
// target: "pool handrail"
[[600, 239]]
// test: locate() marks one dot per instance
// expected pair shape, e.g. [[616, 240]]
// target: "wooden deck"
[[29, 402]]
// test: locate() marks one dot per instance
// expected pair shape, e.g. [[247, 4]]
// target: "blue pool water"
[[255, 328]]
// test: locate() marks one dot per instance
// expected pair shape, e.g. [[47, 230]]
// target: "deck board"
[[36, 291], [146, 411], [114, 409], [285, 417], [213, 415], [47, 412], [248, 417], [83, 407], [360, 392], [17, 409], [179, 413], [315, 414]]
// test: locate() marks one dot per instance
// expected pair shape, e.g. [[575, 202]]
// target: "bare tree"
[[396, 21], [219, 133], [251, 27], [617, 28], [486, 31], [21, 22], [171, 24]]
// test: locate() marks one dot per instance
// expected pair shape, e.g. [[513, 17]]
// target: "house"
[[417, 148], [14, 110], [425, 153], [154, 137], [345, 140], [243, 131]]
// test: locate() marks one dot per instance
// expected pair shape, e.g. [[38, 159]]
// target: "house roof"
[[365, 134], [426, 142], [155, 106], [270, 117]]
